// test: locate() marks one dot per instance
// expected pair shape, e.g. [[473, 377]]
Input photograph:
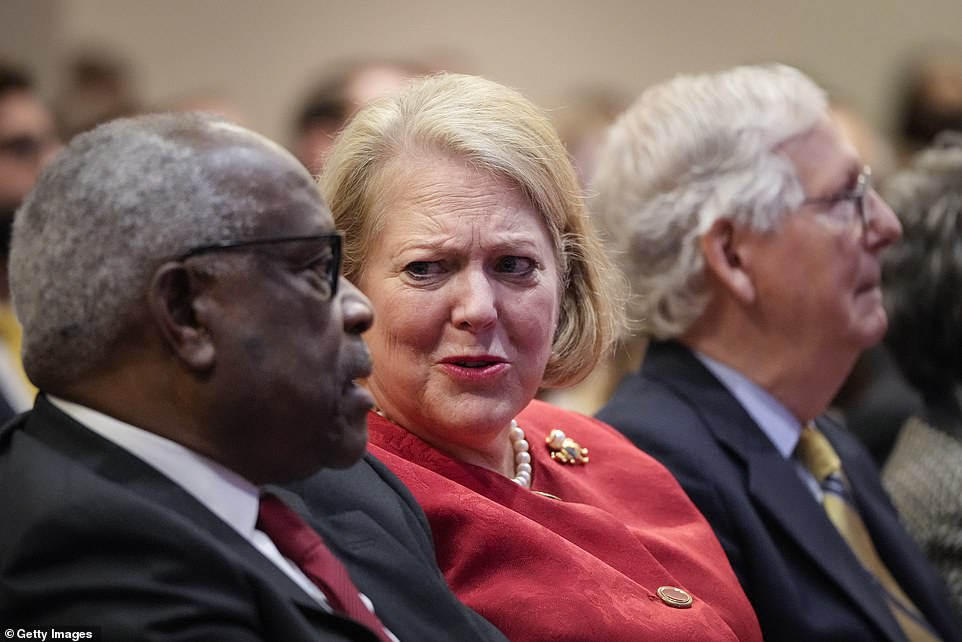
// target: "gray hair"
[[689, 152], [497, 130], [923, 273], [116, 203]]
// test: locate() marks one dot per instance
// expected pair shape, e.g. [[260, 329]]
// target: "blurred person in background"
[[750, 232], [208, 101], [28, 141], [582, 124], [337, 97], [923, 293], [465, 226], [99, 85], [929, 99]]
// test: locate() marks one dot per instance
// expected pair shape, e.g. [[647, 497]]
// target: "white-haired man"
[[751, 234]]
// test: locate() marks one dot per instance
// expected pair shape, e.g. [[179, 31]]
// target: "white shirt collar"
[[774, 419], [224, 492]]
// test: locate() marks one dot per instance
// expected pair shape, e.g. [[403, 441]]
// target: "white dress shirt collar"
[[225, 493]]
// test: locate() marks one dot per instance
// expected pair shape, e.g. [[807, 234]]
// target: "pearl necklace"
[[522, 459]]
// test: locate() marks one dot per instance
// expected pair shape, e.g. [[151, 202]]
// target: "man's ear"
[[173, 294], [720, 247]]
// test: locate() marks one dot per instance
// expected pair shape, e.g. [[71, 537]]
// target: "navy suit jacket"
[[799, 574], [91, 535]]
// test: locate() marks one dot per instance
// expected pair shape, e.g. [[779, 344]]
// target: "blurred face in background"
[[28, 141]]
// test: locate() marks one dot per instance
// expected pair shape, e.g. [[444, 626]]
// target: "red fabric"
[[301, 544], [586, 567]]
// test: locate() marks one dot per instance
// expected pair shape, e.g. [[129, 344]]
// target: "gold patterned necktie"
[[817, 455]]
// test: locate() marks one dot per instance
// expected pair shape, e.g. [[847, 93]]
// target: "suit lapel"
[[776, 489], [773, 482]]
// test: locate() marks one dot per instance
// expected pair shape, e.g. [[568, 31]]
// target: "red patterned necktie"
[[301, 544]]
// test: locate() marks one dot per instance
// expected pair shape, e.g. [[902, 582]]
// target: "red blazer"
[[586, 564]]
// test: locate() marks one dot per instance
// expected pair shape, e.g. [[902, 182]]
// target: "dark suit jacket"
[[92, 536], [6, 410], [799, 574], [376, 527]]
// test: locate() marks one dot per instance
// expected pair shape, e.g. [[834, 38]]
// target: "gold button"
[[674, 596]]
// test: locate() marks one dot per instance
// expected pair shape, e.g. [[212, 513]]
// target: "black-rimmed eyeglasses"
[[326, 259], [863, 185]]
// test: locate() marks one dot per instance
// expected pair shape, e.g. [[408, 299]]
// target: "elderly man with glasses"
[[178, 279], [751, 234]]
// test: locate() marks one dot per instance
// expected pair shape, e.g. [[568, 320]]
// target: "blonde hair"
[[494, 129]]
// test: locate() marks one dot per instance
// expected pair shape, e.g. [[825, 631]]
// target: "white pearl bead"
[[522, 459]]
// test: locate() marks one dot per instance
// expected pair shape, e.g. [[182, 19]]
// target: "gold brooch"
[[565, 449]]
